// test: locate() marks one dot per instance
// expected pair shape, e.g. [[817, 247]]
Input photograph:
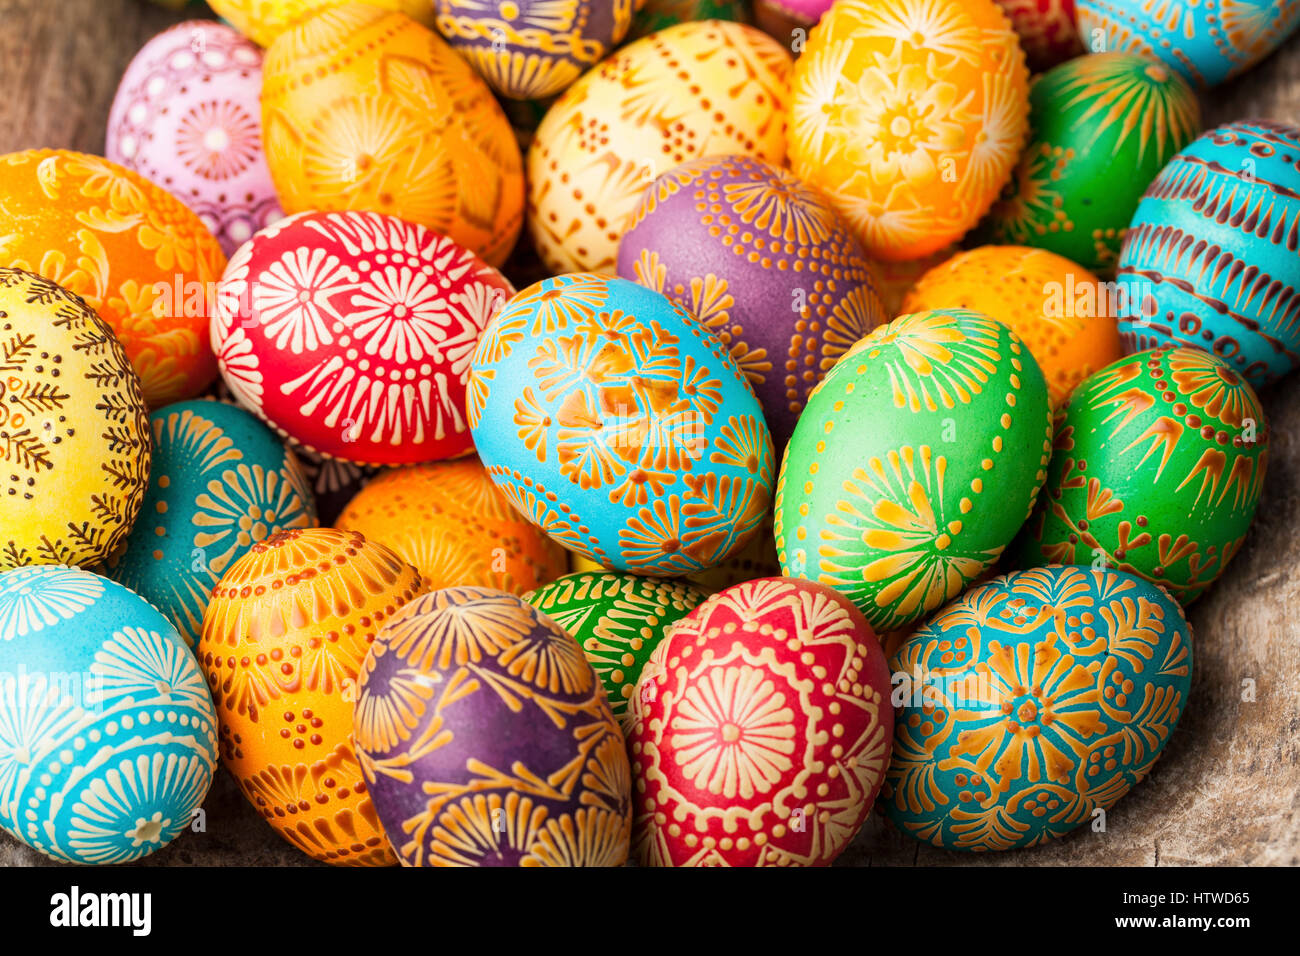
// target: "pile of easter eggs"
[[791, 430]]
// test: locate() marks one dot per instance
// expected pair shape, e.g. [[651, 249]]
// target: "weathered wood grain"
[[1227, 790]]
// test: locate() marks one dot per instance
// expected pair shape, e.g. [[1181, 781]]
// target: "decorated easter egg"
[[283, 640], [108, 739], [448, 520], [528, 49], [915, 463], [187, 117], [1103, 125], [909, 130], [73, 425], [1032, 702], [352, 334], [264, 20], [368, 110], [656, 103], [1158, 464], [757, 559], [1212, 256], [1205, 42], [761, 730], [1063, 312], [486, 738], [657, 15], [617, 620], [764, 264], [618, 425], [220, 482], [1046, 30], [142, 261]]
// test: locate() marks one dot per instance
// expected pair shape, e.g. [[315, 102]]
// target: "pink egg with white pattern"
[[352, 332], [187, 116]]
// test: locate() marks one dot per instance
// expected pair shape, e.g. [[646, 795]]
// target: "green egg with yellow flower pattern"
[[1101, 128], [914, 464]]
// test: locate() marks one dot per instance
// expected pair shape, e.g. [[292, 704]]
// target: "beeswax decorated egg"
[[141, 260], [620, 427], [1031, 702], [108, 739], [1063, 312], [529, 49], [1206, 42], [763, 263], [448, 521], [761, 730], [656, 103], [617, 620], [73, 425], [368, 110], [914, 464], [487, 740], [1046, 30], [264, 20], [757, 559], [1212, 256], [220, 482], [1103, 125], [1157, 469], [283, 640], [352, 334], [187, 117], [910, 131]]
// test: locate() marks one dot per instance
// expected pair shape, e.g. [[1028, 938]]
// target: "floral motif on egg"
[[1047, 694], [909, 115]]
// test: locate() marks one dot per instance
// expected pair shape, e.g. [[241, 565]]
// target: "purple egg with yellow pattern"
[[765, 264], [486, 738]]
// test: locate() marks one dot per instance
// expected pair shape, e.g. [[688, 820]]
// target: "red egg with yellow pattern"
[[352, 332], [761, 728]]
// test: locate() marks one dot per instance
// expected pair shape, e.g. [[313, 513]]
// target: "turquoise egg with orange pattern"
[[620, 426], [221, 482], [1212, 256], [1031, 704]]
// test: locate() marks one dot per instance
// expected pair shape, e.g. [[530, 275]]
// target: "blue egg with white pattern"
[[108, 736], [616, 422], [221, 482], [1207, 42], [1211, 258]]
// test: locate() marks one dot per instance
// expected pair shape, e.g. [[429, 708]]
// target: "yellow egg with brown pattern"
[[140, 258], [365, 109], [451, 523], [1062, 311], [283, 640], [264, 20]]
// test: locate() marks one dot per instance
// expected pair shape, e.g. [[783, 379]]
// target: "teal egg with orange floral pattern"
[[1101, 128], [1031, 705], [221, 482], [914, 464], [612, 419], [1158, 465]]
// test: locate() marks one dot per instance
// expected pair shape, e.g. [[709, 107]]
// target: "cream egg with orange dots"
[[909, 115], [697, 89], [451, 523], [1063, 312], [139, 257], [365, 109], [283, 640]]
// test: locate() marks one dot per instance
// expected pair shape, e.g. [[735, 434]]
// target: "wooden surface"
[[1226, 791]]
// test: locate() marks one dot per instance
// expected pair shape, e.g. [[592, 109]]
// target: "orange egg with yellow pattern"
[[1063, 312], [139, 257], [264, 20], [283, 640], [450, 522], [365, 109]]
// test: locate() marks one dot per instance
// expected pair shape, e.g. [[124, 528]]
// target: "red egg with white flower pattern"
[[352, 332], [761, 729]]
